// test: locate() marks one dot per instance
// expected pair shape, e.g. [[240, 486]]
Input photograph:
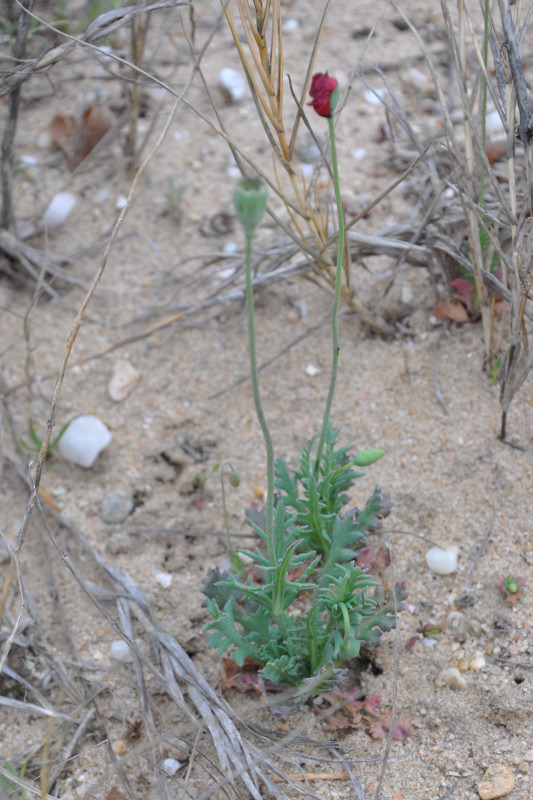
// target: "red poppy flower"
[[324, 92]]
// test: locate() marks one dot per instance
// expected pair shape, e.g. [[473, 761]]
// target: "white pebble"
[[451, 677], [230, 248], [494, 122], [123, 380], [233, 83], [442, 562], [225, 273], [58, 210], [406, 295], [121, 651], [234, 173], [171, 766], [477, 663], [311, 370], [373, 97], [164, 579], [28, 161], [120, 202], [101, 195], [419, 81], [359, 153], [84, 440], [291, 25]]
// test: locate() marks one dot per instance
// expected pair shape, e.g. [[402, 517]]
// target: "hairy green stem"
[[337, 296], [269, 525]]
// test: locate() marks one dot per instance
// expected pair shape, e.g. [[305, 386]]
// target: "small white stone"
[[359, 153], [28, 161], [225, 273], [442, 562], [420, 81], [230, 248], [101, 195], [123, 380], [120, 202], [373, 97], [494, 122], [171, 766], [477, 663], [291, 25], [58, 210], [497, 781], [406, 295], [451, 677], [233, 83], [121, 651], [311, 370], [84, 440], [164, 579]]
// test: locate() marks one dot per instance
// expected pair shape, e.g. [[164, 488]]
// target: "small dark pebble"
[[465, 600], [361, 33], [501, 624], [400, 24]]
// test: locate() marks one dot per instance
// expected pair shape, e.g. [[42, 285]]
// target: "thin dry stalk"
[[19, 50], [138, 30], [262, 61], [485, 232], [68, 349]]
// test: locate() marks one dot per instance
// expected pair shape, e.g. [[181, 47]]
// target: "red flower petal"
[[322, 87]]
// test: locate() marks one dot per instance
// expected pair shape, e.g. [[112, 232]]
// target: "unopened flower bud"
[[367, 457], [234, 478], [325, 94], [250, 199]]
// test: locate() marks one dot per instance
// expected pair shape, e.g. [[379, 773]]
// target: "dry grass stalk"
[[262, 61], [482, 230]]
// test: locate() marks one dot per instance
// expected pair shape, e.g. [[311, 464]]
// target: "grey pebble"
[[115, 508]]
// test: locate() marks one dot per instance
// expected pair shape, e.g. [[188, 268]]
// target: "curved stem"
[[337, 296], [269, 526]]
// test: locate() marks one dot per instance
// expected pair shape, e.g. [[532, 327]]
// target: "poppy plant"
[[324, 93]]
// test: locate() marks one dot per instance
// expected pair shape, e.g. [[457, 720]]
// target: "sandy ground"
[[422, 395]]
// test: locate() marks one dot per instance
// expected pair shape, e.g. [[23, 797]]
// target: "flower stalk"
[[250, 199], [337, 294]]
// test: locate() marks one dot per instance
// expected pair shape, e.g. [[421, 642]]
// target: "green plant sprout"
[[302, 611], [37, 442], [12, 787]]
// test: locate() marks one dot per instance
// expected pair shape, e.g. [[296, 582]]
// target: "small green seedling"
[[37, 442], [12, 787]]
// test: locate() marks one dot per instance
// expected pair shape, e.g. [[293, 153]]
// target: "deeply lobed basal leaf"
[[313, 565], [317, 494]]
